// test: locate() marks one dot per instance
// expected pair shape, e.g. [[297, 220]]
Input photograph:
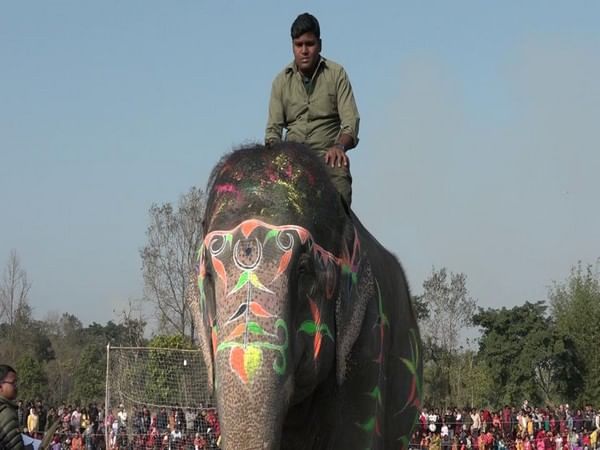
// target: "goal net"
[[146, 380]]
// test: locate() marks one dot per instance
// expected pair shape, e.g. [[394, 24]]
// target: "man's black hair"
[[305, 23], [5, 370]]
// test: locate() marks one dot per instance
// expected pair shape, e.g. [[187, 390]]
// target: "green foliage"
[[420, 307], [160, 377], [522, 351], [33, 383], [90, 375], [175, 341], [576, 309]]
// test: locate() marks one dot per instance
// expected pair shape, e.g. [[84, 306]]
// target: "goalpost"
[[155, 378]]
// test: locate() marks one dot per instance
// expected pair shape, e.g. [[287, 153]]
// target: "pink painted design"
[[228, 188]]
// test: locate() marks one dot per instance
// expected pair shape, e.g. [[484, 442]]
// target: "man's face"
[[8, 386], [307, 49]]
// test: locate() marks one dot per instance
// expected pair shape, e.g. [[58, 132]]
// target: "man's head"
[[306, 43], [8, 382]]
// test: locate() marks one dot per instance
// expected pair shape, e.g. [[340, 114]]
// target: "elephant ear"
[[356, 289], [203, 328]]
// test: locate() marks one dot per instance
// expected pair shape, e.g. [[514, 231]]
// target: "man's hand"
[[336, 156]]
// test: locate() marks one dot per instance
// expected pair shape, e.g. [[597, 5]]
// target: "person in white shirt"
[[122, 416]]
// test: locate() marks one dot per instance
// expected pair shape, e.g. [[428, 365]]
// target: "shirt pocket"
[[324, 104]]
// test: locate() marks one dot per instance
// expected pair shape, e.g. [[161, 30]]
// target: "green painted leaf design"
[[384, 320], [409, 365], [243, 280], [376, 394], [308, 327], [324, 329], [255, 328], [369, 425], [270, 234]]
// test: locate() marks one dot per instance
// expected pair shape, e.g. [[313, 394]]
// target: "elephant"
[[304, 320]]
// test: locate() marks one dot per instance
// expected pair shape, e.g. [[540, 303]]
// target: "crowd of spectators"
[[510, 428], [143, 428], [92, 428]]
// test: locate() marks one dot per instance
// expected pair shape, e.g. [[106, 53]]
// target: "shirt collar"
[[291, 67]]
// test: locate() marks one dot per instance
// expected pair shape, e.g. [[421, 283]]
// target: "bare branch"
[[174, 235]]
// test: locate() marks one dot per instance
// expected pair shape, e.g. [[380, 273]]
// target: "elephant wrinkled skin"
[[304, 319]]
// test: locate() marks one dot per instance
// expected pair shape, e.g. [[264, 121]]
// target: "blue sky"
[[479, 132]]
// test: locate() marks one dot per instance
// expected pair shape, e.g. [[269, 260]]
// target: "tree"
[[14, 291], [522, 351], [420, 307], [90, 375], [132, 326], [169, 257], [33, 383], [161, 376], [67, 338], [576, 310], [19, 332], [449, 309]]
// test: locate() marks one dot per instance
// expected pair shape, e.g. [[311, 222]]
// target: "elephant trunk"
[[252, 418], [254, 385]]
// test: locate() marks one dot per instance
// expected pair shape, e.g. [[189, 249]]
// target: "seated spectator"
[[76, 441], [199, 442]]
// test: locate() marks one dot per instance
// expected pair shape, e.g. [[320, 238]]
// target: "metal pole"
[[106, 399]]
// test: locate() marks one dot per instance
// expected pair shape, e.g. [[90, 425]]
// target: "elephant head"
[[277, 312]]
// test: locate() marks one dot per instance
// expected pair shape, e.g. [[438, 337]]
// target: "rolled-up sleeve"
[[276, 120], [348, 111]]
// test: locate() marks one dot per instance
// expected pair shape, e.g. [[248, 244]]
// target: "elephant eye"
[[304, 264]]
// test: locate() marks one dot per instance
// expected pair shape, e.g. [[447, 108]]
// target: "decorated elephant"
[[304, 320]]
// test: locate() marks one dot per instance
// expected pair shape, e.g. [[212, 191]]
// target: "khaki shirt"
[[315, 119]]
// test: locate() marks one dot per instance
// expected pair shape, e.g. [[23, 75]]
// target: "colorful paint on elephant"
[[277, 173], [251, 327], [307, 329], [372, 425]]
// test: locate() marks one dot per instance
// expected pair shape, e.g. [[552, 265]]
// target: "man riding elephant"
[[312, 100]]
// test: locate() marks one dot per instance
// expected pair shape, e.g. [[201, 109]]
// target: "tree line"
[[543, 351], [546, 352]]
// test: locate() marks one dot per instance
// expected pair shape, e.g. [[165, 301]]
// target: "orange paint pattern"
[[314, 310], [248, 226], [284, 262], [237, 331], [236, 359], [214, 341], [259, 311], [220, 269]]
